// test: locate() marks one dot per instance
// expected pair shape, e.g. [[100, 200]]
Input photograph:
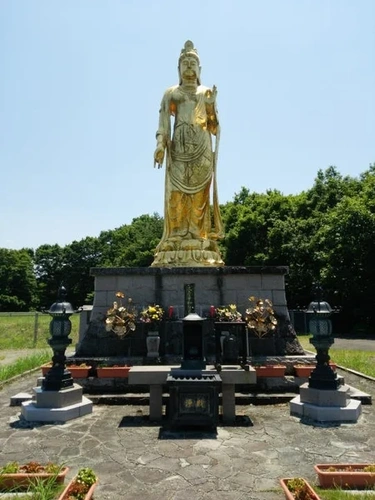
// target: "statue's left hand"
[[159, 156], [210, 95]]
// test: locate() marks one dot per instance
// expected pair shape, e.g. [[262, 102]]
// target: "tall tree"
[[79, 257], [248, 221], [345, 243], [18, 287], [49, 271], [132, 245]]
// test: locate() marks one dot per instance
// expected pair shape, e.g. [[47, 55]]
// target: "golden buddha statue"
[[191, 227]]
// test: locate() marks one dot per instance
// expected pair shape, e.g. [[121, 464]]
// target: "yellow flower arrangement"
[[152, 314], [228, 313], [121, 319], [260, 316]]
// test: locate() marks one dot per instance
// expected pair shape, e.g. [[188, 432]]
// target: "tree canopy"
[[18, 284], [324, 234]]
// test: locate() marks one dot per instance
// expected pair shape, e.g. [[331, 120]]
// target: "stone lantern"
[[58, 399], [60, 327], [325, 398], [318, 313]]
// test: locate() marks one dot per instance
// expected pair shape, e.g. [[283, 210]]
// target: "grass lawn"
[[361, 361], [24, 364], [336, 494], [18, 332]]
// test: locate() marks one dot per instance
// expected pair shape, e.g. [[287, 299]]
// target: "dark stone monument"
[[231, 343], [193, 398], [193, 393], [193, 347]]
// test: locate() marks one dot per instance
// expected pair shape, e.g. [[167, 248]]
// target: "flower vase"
[[153, 343], [223, 336], [230, 346]]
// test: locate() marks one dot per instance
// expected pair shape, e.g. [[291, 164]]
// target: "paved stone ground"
[[135, 459]]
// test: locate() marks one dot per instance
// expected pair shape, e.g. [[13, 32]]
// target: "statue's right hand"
[[159, 156]]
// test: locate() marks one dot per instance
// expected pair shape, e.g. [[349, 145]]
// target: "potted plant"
[[16, 476], [346, 475], [270, 370], [305, 370], [77, 371], [46, 368], [117, 371], [261, 323], [152, 317], [120, 319], [81, 487], [297, 488]]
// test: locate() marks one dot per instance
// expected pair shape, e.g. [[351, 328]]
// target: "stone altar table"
[[156, 377]]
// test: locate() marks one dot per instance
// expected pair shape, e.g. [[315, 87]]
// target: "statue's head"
[[188, 64]]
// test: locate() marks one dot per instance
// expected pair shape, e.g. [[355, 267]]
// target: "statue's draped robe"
[[189, 237]]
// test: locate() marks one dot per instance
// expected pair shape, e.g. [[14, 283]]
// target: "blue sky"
[[82, 80]]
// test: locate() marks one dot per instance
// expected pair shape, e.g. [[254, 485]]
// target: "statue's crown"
[[189, 50]]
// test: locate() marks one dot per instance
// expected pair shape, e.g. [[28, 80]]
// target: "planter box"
[[113, 371], [22, 480], [76, 371], [310, 492], [305, 370], [88, 495], [345, 476], [270, 371]]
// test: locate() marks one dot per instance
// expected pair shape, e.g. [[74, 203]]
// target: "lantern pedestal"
[[56, 406], [57, 398], [323, 377], [325, 405], [324, 398]]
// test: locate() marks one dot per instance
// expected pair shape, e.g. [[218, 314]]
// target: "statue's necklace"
[[191, 93]]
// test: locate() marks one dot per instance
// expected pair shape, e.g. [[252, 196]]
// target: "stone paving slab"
[[136, 459]]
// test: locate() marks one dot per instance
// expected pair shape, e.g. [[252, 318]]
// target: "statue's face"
[[189, 69]]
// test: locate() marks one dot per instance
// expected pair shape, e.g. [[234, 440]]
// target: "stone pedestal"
[[56, 406], [322, 405], [215, 286]]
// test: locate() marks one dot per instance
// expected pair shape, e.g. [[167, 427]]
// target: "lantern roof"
[[319, 307], [61, 306]]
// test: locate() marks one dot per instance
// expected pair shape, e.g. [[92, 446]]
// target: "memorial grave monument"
[[188, 254]]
